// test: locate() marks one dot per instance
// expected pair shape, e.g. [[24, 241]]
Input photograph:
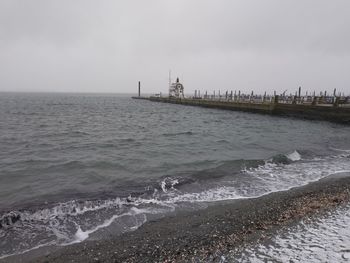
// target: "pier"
[[333, 108], [336, 112]]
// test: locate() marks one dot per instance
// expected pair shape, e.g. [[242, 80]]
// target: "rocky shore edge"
[[205, 235]]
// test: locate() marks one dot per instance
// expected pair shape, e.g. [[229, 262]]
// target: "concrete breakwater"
[[328, 112]]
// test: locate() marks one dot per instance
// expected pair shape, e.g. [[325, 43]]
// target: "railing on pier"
[[330, 108], [338, 101]]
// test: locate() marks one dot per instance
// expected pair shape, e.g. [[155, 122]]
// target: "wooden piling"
[[139, 88]]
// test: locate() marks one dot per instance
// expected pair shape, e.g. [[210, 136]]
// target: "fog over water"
[[107, 46]]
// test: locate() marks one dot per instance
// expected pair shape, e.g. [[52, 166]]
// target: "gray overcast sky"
[[107, 46]]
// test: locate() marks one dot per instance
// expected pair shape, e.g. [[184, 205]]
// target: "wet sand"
[[207, 234]]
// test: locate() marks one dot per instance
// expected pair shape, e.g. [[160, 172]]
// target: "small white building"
[[176, 89]]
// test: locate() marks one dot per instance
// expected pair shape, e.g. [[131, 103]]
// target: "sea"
[[90, 166]]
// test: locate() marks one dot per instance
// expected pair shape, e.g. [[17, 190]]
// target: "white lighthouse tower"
[[176, 90]]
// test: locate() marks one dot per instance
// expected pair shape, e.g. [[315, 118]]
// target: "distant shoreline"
[[67, 93], [206, 234]]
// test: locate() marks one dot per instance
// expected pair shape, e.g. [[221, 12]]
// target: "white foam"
[[163, 186], [279, 177], [27, 250], [72, 208], [272, 177], [59, 222], [81, 235], [211, 195], [294, 156], [168, 183]]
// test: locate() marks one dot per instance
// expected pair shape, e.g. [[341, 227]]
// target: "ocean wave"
[[340, 150], [70, 208], [178, 133], [294, 156], [81, 235], [286, 158], [75, 221], [168, 183], [74, 164]]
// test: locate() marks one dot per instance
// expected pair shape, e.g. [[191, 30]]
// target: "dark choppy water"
[[84, 166]]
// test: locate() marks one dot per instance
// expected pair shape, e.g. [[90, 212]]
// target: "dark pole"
[[139, 88]]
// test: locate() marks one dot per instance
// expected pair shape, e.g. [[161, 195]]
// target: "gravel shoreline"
[[205, 235]]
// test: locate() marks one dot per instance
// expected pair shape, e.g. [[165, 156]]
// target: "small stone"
[[346, 255]]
